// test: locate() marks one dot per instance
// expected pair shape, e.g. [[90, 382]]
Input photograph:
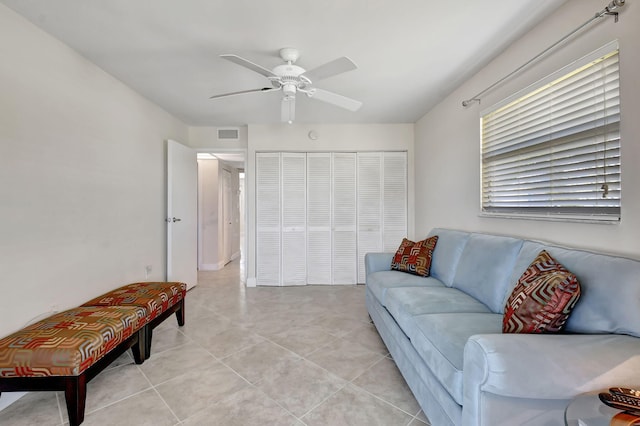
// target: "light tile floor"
[[248, 356]]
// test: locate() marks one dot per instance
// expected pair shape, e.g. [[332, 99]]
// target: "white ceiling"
[[410, 53]]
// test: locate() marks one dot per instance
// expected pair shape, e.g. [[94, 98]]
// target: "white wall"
[[208, 215], [82, 177], [448, 146], [330, 137]]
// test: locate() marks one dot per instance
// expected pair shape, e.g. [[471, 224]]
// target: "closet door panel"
[[369, 207], [318, 214], [268, 242], [345, 269], [319, 218], [394, 200], [344, 219], [294, 219]]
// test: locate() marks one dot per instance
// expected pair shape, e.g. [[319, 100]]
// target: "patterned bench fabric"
[[67, 343], [156, 297]]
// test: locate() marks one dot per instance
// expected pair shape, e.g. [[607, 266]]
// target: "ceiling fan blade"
[[288, 110], [248, 64], [335, 99], [241, 92], [337, 66]]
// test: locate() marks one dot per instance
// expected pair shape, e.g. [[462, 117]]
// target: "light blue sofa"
[[445, 331]]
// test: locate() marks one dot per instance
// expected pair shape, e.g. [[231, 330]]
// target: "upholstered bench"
[[68, 349], [160, 299]]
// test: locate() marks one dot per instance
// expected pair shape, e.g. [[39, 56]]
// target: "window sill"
[[603, 220]]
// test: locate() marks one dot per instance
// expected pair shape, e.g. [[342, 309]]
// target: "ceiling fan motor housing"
[[290, 78]]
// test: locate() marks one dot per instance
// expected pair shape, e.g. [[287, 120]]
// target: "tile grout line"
[[60, 408], [379, 397], [157, 393], [167, 405]]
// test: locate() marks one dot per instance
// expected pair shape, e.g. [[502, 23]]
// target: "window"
[[553, 150]]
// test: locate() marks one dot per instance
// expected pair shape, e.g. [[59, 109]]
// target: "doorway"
[[221, 214]]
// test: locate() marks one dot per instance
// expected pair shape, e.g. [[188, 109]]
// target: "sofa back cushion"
[[610, 288], [447, 253], [485, 268]]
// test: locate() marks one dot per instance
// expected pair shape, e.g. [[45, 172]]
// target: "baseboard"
[[208, 267], [211, 266]]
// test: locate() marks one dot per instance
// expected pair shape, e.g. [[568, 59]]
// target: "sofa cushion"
[[379, 282], [440, 339], [414, 257], [405, 302], [485, 266], [447, 253], [543, 298]]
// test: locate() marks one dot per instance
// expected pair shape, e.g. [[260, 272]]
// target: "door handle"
[[175, 219]]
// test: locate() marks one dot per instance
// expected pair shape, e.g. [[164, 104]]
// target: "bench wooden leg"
[[180, 313], [142, 348], [75, 394], [148, 338]]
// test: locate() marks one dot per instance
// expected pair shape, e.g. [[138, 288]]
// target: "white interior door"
[[182, 213]]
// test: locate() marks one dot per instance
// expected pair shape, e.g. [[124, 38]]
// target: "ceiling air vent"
[[230, 134]]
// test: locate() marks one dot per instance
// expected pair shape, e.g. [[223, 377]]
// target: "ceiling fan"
[[291, 79]]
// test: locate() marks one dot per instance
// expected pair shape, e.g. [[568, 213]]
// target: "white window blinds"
[[555, 151]]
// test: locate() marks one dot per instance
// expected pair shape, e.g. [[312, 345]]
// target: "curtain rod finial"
[[470, 101]]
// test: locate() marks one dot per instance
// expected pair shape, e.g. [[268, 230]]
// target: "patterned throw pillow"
[[542, 299], [415, 258]]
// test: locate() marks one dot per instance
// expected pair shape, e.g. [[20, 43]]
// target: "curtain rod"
[[608, 10]]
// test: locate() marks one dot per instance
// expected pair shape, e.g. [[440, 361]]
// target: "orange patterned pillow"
[[415, 258], [542, 299]]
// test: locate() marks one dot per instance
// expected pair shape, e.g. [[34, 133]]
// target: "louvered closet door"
[[294, 219], [319, 265], [369, 207], [344, 241], [268, 219], [394, 205]]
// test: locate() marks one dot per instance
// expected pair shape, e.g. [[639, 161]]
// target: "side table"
[[588, 410]]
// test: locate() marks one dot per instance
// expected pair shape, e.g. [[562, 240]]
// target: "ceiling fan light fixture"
[[289, 90]]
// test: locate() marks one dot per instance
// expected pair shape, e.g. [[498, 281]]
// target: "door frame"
[[243, 217]]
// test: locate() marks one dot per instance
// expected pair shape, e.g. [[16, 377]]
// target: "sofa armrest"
[[374, 262], [549, 366]]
